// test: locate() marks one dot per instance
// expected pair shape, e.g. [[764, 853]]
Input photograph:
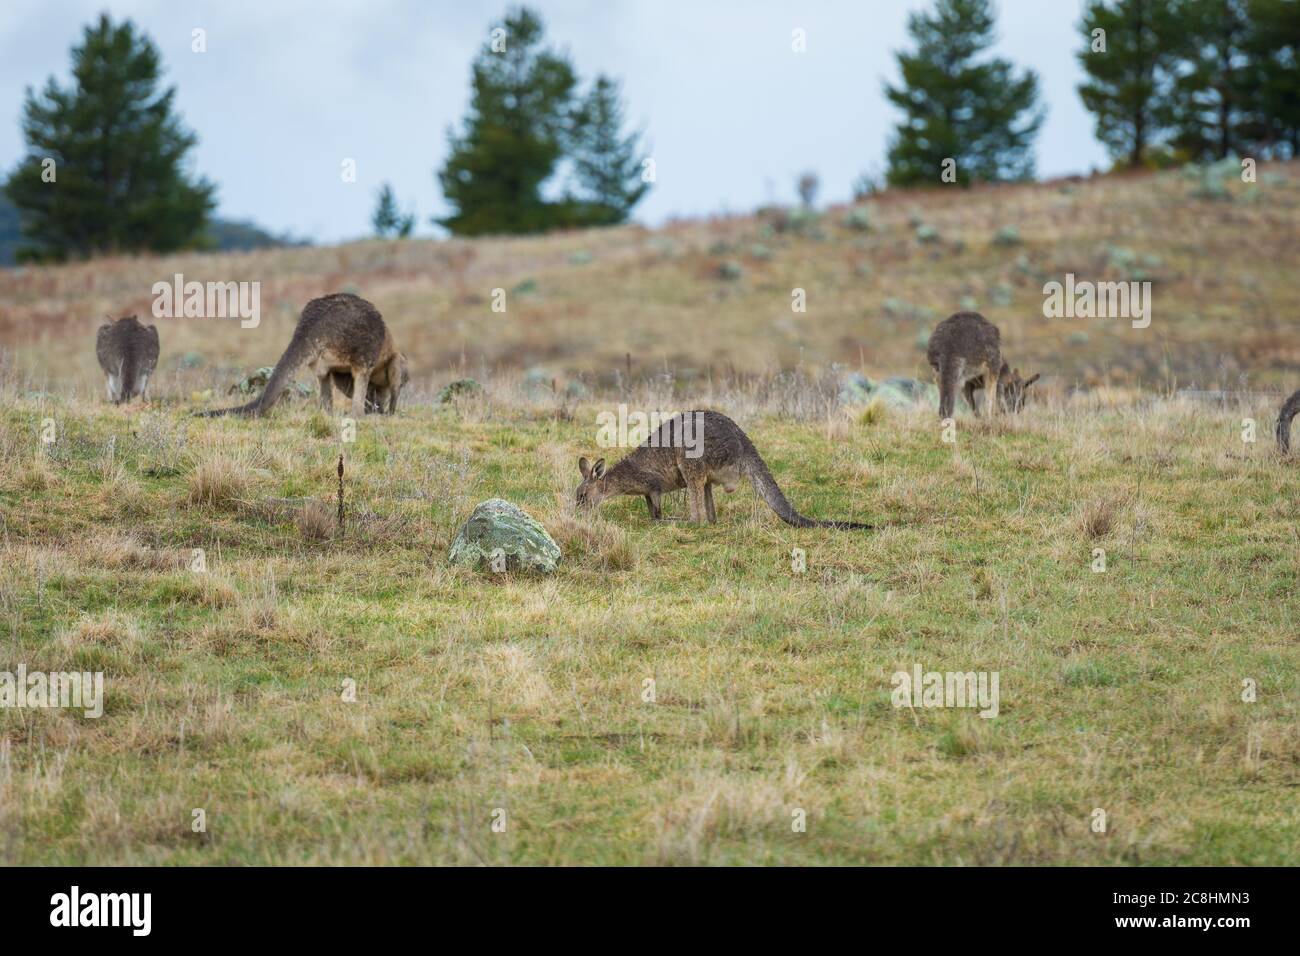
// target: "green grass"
[[1119, 690]]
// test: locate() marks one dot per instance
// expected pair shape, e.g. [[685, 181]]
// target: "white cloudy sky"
[[288, 88]]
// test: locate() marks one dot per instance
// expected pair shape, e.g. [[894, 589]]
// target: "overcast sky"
[[290, 88]]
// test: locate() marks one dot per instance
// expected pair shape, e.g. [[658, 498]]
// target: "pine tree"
[[514, 134], [608, 164], [1213, 102], [979, 114], [1131, 67], [1274, 49], [118, 180], [388, 222]]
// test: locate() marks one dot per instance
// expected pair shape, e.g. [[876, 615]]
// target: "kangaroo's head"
[[400, 372], [591, 491], [1012, 389]]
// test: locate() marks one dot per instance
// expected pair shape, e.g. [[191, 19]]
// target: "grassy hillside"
[[1120, 690], [1225, 295]]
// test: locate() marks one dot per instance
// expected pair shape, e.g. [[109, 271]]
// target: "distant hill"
[[228, 235]]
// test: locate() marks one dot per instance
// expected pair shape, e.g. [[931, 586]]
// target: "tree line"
[[1167, 82]]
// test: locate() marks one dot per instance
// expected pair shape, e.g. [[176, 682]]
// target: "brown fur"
[[386, 384], [966, 349], [1290, 408], [128, 354], [727, 456], [335, 333]]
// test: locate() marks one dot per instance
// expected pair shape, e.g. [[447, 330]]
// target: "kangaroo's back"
[[128, 353], [962, 346]]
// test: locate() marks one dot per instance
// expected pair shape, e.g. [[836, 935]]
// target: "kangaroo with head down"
[[966, 349], [695, 450], [128, 354], [335, 333]]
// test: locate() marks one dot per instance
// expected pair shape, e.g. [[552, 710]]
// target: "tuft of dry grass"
[[114, 629], [121, 549], [316, 521], [592, 541], [220, 480], [1098, 517]]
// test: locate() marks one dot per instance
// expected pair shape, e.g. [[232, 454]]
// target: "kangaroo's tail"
[[948, 374], [755, 469], [128, 374], [1290, 408], [293, 357]]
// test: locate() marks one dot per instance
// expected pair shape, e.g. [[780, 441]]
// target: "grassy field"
[[475, 694], [482, 698]]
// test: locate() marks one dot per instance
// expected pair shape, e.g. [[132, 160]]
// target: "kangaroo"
[[663, 463], [128, 354], [335, 332], [966, 342], [1290, 408], [386, 383]]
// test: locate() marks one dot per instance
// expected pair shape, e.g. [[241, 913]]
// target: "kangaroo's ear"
[[1036, 377], [584, 466], [598, 469]]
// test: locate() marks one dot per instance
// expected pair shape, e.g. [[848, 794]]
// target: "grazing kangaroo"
[[128, 354], [340, 332], [1290, 408], [386, 383], [664, 463], [966, 348]]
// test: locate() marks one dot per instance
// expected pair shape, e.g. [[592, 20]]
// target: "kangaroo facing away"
[[386, 383], [966, 349], [695, 451], [340, 332], [1290, 408], [128, 354]]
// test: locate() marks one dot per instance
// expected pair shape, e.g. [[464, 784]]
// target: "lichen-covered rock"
[[256, 380], [500, 536], [461, 387]]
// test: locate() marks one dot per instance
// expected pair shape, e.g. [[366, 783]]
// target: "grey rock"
[[502, 536]]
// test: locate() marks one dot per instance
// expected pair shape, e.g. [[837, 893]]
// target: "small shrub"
[[730, 270], [874, 413], [458, 389], [1007, 236], [858, 219]]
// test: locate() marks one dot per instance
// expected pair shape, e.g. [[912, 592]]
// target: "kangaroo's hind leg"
[[991, 374], [360, 388], [695, 499], [969, 389]]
